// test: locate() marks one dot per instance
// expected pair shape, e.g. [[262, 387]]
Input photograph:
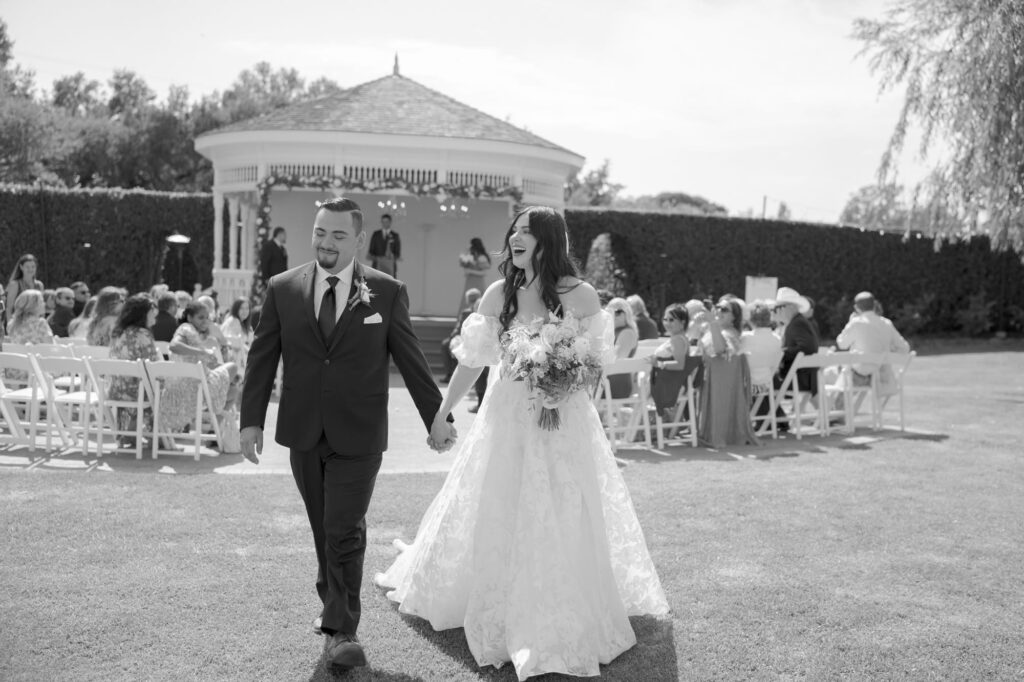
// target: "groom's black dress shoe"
[[344, 651], [317, 622]]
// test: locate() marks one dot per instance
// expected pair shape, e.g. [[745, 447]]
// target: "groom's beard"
[[326, 260]]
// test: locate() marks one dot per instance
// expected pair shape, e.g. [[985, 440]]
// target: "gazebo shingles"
[[392, 105]]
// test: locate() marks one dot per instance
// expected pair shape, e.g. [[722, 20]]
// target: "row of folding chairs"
[[839, 400], [67, 398]]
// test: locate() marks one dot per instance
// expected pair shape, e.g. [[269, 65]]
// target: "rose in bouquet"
[[555, 360]]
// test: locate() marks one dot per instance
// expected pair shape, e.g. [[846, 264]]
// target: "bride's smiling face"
[[521, 243]]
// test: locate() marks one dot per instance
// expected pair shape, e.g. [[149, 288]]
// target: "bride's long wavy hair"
[[550, 261]]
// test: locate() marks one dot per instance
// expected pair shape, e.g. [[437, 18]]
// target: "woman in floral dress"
[[132, 340], [27, 326], [193, 342]]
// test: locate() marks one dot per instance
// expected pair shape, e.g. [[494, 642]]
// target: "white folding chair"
[[898, 363], [623, 416], [163, 348], [646, 348], [103, 372], [25, 396], [761, 394], [802, 402], [843, 399], [682, 426], [160, 373], [87, 351], [72, 408]]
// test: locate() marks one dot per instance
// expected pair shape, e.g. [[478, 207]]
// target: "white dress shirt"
[[869, 333], [341, 289], [764, 351]]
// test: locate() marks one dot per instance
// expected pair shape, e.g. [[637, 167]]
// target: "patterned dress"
[[178, 397], [532, 545], [29, 330], [135, 343], [99, 334]]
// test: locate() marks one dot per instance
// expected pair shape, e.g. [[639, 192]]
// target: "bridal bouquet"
[[555, 360], [467, 260]]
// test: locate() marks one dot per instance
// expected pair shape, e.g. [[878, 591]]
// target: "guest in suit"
[[82, 295], [62, 315], [166, 317], [471, 298], [385, 248], [337, 325], [273, 255]]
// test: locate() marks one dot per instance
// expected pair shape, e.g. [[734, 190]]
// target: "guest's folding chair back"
[[765, 394], [72, 398], [804, 414], [160, 374], [681, 425], [26, 398], [625, 417], [103, 372], [99, 352], [898, 363]]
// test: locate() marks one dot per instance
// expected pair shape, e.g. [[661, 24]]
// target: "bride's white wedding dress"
[[532, 545]]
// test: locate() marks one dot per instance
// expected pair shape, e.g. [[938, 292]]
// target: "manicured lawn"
[[894, 558]]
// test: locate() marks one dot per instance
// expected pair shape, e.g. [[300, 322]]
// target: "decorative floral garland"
[[338, 182]]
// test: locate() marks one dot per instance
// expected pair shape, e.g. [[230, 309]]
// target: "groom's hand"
[[442, 435], [252, 443]]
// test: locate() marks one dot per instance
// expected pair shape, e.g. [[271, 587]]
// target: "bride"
[[532, 545]]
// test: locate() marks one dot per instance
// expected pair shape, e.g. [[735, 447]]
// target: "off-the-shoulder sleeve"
[[477, 345], [600, 330]]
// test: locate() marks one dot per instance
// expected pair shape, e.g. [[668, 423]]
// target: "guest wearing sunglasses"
[[724, 418], [626, 340], [62, 315]]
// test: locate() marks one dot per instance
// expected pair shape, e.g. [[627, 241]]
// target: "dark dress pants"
[[336, 490]]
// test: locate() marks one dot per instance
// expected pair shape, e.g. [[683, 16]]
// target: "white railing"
[[235, 175], [417, 175], [534, 187], [306, 169], [479, 179]]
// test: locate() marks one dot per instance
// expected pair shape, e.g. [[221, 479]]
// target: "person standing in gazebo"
[[385, 248]]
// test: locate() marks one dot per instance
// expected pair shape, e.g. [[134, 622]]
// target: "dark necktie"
[[326, 318]]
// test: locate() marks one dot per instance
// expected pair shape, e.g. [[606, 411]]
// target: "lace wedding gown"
[[532, 545]]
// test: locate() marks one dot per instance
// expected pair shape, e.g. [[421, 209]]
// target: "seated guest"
[[761, 346], [626, 339], [79, 326], [238, 333], [184, 298], [724, 414], [194, 342], [27, 326], [81, 290], [698, 324], [471, 297], [109, 302], [49, 301], [763, 349], [646, 328], [61, 317], [868, 332], [166, 317], [672, 363], [131, 339], [798, 336]]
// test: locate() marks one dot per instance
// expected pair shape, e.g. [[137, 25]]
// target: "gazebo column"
[[245, 255], [233, 215], [218, 229]]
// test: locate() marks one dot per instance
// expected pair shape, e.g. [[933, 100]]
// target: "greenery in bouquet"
[[555, 359]]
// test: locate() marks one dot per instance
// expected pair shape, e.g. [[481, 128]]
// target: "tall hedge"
[[126, 231], [666, 258]]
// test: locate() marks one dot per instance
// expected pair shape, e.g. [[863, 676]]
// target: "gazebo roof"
[[392, 105]]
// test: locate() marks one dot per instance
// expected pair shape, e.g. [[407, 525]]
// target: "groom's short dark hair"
[[343, 205]]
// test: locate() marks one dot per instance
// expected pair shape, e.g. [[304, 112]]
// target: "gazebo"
[[445, 171]]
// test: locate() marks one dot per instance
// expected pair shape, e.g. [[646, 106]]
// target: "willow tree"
[[961, 66]]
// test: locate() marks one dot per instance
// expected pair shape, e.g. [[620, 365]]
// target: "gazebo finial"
[[396, 65]]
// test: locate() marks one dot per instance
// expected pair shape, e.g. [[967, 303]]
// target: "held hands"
[[252, 443], [442, 434]]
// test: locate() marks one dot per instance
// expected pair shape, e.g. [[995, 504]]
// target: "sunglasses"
[[723, 309]]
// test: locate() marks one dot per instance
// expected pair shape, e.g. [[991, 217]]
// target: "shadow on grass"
[[20, 457], [323, 672], [653, 657]]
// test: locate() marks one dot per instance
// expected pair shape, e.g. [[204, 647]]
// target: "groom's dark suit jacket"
[[338, 387]]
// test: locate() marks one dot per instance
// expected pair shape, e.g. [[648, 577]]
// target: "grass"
[[892, 558]]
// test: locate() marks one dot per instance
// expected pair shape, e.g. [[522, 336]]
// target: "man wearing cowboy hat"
[[798, 337]]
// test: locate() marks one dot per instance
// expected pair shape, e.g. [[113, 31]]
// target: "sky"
[[747, 103]]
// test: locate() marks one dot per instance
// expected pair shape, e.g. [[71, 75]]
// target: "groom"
[[334, 323]]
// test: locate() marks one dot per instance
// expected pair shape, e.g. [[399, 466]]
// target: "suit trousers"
[[336, 490]]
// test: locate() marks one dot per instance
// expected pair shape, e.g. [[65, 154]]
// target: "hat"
[[787, 295]]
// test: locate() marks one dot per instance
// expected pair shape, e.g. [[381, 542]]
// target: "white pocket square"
[[373, 319]]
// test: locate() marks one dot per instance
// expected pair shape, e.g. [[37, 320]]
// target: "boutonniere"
[[361, 295]]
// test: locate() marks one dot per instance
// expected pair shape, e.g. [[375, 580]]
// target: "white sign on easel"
[[761, 289]]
